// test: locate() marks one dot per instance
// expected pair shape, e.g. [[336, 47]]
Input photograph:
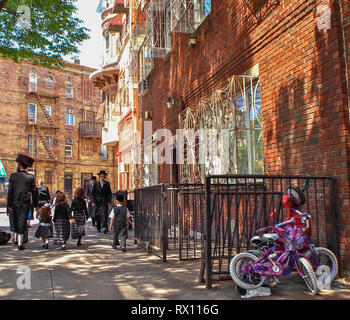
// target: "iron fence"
[[238, 205], [169, 218]]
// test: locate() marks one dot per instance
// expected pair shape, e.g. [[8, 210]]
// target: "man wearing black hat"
[[101, 200], [89, 199], [21, 193]]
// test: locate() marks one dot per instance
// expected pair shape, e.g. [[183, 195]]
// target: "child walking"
[[120, 221], [61, 219], [44, 230], [80, 215]]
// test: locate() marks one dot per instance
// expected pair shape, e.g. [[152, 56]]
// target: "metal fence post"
[[334, 240], [208, 280], [164, 215]]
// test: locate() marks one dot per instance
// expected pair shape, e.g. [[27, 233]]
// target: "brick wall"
[[304, 93], [14, 128]]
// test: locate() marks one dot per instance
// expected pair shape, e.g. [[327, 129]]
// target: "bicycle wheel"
[[237, 264], [241, 291], [325, 257], [308, 275]]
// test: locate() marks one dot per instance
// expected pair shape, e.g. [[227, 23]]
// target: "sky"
[[91, 49]]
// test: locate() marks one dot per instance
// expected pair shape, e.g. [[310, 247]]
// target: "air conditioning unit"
[[69, 141], [143, 87], [123, 167], [71, 111]]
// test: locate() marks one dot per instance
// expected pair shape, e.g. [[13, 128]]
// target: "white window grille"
[[158, 27], [32, 113], [33, 82], [49, 83], [187, 15]]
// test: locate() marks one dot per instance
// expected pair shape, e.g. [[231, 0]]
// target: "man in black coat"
[[89, 199], [21, 193], [101, 200]]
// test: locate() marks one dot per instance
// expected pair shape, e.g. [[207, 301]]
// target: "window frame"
[[36, 112], [32, 145], [71, 117], [33, 83], [49, 84], [71, 94], [49, 113], [68, 146]]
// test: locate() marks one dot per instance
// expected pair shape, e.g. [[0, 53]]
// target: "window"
[[68, 151], [32, 145], [69, 141], [48, 141], [33, 82], [49, 83], [48, 110], [32, 114], [48, 176], [201, 9], [107, 41], [107, 109], [70, 118], [104, 152], [69, 90]]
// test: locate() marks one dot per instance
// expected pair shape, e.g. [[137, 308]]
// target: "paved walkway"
[[96, 271]]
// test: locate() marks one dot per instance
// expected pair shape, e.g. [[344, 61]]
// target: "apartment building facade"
[[50, 114]]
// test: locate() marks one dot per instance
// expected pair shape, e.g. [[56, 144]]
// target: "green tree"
[[54, 30]]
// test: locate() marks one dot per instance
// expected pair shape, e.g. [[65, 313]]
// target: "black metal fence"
[[238, 205], [170, 218], [90, 129]]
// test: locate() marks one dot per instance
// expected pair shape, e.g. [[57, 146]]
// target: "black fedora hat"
[[102, 172], [24, 160]]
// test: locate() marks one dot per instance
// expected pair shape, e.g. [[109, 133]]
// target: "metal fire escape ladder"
[[49, 119], [47, 148]]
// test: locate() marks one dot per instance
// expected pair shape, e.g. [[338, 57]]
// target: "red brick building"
[[51, 115], [290, 59]]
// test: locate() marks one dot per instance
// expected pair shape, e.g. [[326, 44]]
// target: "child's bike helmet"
[[296, 195]]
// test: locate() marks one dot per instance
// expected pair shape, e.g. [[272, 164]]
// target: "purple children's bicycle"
[[251, 271]]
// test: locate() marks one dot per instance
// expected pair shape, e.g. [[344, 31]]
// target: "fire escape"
[[32, 121]]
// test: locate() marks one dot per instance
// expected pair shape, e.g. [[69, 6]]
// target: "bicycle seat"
[[271, 236]]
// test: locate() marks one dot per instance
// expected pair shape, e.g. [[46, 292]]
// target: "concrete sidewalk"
[[97, 271]]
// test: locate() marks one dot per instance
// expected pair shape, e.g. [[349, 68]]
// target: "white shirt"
[[119, 205]]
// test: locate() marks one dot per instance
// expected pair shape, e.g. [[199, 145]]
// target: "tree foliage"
[[55, 31]]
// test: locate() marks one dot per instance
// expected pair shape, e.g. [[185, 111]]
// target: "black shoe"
[[114, 247], [123, 249], [98, 230], [21, 247], [63, 247], [79, 243], [105, 231], [15, 243], [46, 246]]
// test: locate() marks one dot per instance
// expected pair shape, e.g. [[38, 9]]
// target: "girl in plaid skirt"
[[80, 215], [44, 230], [61, 219]]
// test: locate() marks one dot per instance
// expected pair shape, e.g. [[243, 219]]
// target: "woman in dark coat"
[[61, 219], [80, 215]]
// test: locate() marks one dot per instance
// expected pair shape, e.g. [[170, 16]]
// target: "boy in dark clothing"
[[120, 221]]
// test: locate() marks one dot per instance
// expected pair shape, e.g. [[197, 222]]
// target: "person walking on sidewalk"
[[43, 194], [91, 208], [21, 193], [61, 219], [120, 222], [80, 215], [44, 230], [101, 200]]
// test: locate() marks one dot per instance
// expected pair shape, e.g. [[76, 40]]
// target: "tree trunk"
[[2, 4]]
